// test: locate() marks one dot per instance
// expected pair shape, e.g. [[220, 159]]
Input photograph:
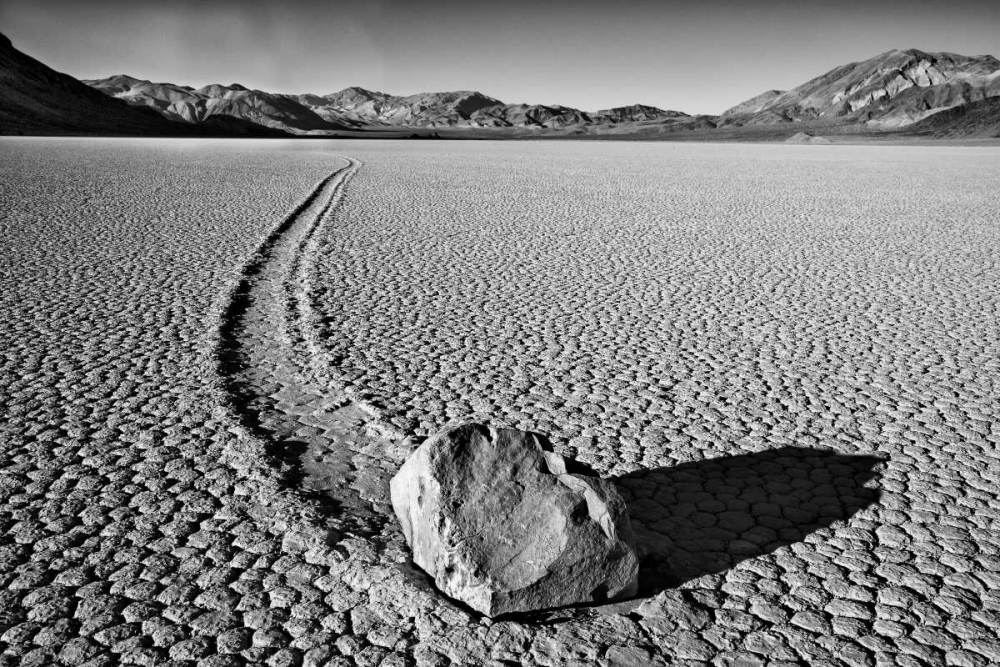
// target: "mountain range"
[[357, 108], [906, 90]]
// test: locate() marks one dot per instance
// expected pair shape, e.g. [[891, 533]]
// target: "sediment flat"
[[216, 352]]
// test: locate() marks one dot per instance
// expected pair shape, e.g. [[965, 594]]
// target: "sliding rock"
[[502, 526]]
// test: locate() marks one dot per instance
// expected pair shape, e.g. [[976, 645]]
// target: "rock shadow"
[[704, 517]]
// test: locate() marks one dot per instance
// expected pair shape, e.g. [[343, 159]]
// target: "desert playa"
[[214, 355]]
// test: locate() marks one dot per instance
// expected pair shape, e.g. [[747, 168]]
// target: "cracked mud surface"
[[785, 356]]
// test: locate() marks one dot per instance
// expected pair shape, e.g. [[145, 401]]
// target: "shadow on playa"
[[703, 517]]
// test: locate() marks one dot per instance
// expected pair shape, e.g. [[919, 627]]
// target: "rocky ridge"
[[183, 103], [361, 107], [891, 90], [357, 107]]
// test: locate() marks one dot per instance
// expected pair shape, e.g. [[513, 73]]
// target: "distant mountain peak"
[[215, 88], [117, 79], [357, 90]]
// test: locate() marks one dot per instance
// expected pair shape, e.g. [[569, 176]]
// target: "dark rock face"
[[978, 119], [502, 526], [635, 113], [35, 99]]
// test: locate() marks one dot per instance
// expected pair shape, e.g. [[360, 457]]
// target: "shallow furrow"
[[281, 391]]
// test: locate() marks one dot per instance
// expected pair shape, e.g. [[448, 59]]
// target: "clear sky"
[[698, 57]]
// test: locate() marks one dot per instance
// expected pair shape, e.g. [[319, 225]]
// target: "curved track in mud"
[[276, 376]]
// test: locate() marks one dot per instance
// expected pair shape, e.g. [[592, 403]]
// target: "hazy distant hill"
[[891, 90]]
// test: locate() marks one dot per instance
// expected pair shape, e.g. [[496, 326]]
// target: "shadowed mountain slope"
[[977, 119], [35, 99], [890, 90]]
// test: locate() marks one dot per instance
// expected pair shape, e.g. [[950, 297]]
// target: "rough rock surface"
[[502, 526]]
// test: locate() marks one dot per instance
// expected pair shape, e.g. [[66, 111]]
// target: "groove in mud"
[[228, 354], [274, 384]]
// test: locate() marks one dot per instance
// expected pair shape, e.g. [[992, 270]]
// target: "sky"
[[697, 57]]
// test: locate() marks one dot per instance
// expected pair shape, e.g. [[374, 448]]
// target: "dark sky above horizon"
[[698, 58]]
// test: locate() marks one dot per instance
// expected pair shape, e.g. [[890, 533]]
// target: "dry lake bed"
[[214, 354]]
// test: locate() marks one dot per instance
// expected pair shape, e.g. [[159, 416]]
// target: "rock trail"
[[280, 382]]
